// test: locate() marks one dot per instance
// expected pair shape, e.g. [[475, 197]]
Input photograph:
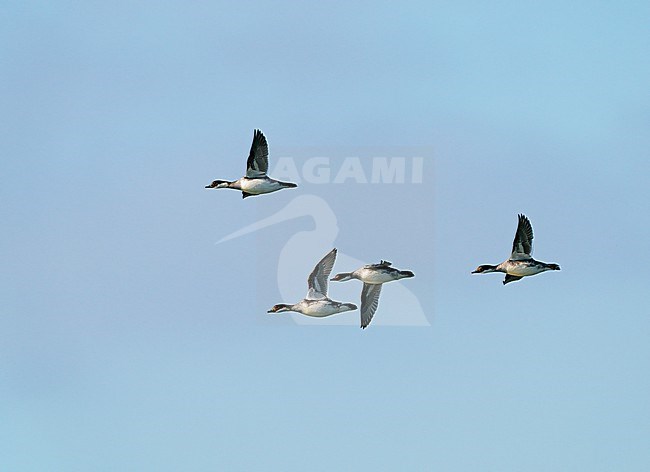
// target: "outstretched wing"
[[382, 265], [317, 280], [258, 159], [522, 246], [369, 302], [511, 278]]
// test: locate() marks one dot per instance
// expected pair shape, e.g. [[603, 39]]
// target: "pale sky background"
[[130, 341]]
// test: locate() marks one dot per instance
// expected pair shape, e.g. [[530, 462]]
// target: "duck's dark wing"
[[258, 159], [511, 278], [317, 280], [369, 302], [522, 246], [382, 265]]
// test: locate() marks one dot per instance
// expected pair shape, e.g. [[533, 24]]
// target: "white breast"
[[258, 186], [523, 269], [319, 308], [370, 276]]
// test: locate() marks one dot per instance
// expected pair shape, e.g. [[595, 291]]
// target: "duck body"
[[374, 274], [253, 186], [315, 308], [525, 268]]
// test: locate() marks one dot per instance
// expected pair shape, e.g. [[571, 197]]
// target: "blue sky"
[[129, 340]]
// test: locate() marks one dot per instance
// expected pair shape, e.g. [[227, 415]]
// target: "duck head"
[[218, 184], [484, 269], [279, 308], [342, 277]]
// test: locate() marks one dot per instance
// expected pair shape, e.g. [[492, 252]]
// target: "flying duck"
[[372, 276], [255, 182], [520, 264], [316, 303]]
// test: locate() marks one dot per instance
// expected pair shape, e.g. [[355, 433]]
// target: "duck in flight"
[[316, 303], [255, 182], [373, 277], [521, 263]]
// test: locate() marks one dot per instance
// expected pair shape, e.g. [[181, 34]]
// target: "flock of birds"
[[317, 303]]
